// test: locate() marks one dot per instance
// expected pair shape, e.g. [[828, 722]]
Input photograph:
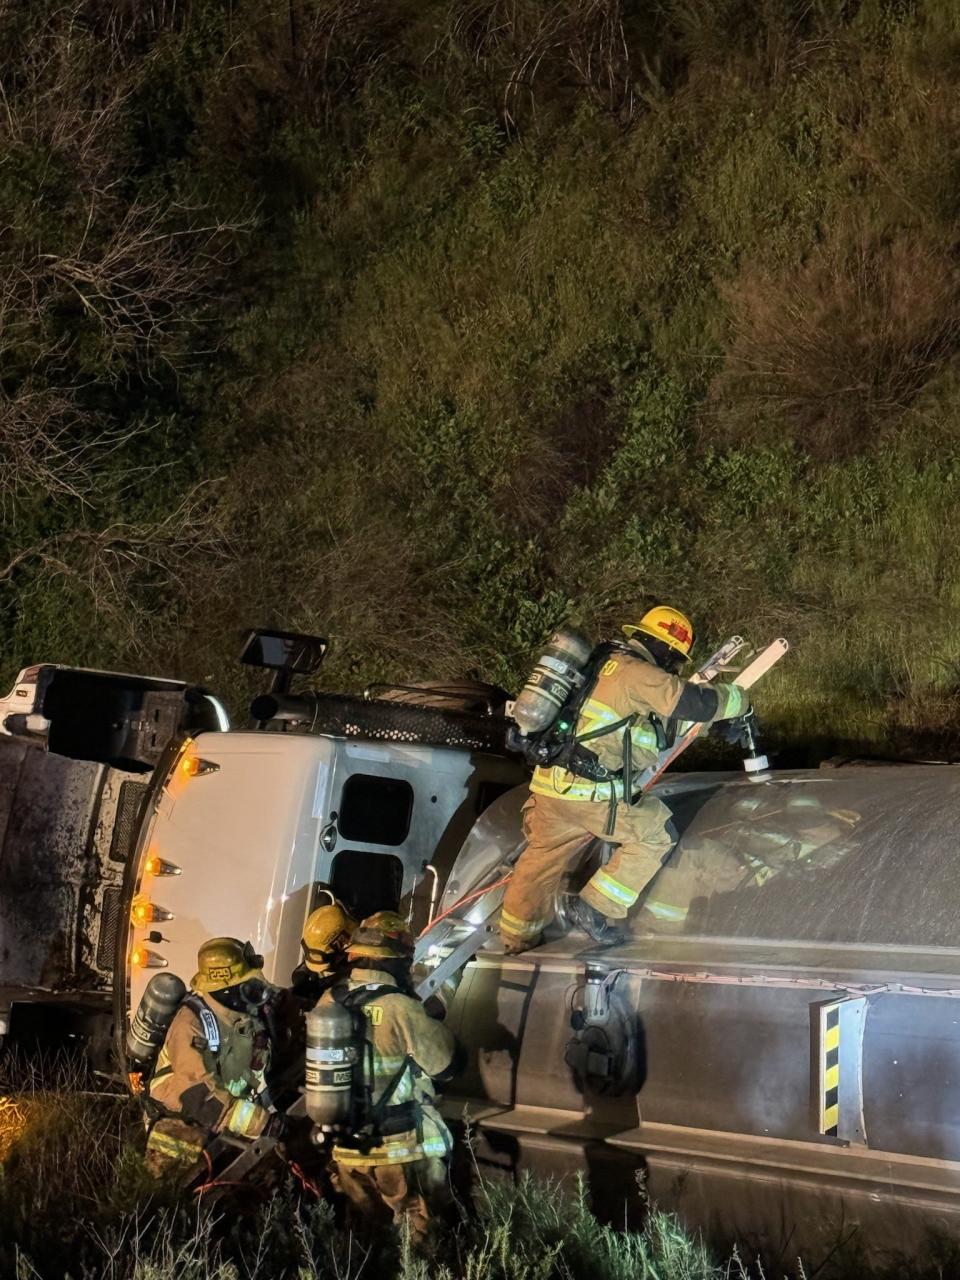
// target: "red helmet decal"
[[676, 630]]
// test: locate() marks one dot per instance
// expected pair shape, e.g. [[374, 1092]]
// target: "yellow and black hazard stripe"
[[830, 1070]]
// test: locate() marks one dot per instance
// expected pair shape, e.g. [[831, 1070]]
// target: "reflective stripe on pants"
[[174, 1144], [558, 833]]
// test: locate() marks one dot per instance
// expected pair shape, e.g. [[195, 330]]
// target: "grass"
[[75, 1201], [511, 316]]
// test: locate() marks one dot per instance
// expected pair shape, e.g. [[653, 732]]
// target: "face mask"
[[253, 992], [244, 997]]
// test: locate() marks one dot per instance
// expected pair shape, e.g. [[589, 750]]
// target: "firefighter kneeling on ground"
[[398, 1162], [210, 1077], [636, 690]]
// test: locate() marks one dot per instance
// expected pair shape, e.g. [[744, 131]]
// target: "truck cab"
[[143, 823]]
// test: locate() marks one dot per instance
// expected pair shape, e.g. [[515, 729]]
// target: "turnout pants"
[[175, 1145], [558, 832], [413, 1191]]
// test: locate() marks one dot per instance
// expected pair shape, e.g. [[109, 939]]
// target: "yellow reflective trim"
[[831, 1117], [831, 1078], [390, 1153], [558, 783], [644, 736], [513, 924], [387, 1063], [609, 667], [376, 1155], [613, 889], [832, 1039], [242, 1116], [594, 714], [175, 1148], [732, 701]]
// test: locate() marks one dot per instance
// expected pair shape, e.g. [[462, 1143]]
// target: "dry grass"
[[836, 348]]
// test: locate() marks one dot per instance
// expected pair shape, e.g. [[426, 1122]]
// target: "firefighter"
[[326, 936], [401, 1169], [565, 812], [211, 1071]]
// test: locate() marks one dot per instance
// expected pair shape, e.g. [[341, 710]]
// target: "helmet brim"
[[374, 952]]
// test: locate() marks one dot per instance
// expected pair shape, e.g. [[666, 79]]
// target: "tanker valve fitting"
[[754, 761]]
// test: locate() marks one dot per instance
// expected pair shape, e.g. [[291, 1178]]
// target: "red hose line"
[[462, 902]]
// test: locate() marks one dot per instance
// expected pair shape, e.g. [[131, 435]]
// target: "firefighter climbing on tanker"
[[592, 721]]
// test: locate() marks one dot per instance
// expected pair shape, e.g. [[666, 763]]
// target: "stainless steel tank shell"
[[859, 855], [792, 980]]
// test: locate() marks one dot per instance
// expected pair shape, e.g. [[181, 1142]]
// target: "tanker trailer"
[[775, 1050]]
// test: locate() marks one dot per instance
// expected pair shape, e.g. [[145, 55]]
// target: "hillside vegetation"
[[428, 324]]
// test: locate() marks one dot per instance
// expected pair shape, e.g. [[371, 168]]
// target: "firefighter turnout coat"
[[403, 1038], [566, 812], [205, 1089]]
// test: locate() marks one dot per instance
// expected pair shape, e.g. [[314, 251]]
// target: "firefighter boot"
[[594, 924]]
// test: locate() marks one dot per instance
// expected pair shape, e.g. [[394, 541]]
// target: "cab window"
[[375, 810], [366, 882]]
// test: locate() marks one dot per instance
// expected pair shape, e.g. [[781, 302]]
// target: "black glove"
[[739, 732]]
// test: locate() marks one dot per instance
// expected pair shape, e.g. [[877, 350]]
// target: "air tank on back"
[[149, 1025], [331, 1065], [558, 670]]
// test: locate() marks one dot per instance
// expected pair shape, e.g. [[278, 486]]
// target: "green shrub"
[[467, 319]]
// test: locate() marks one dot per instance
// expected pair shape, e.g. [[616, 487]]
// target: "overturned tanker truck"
[[774, 1051]]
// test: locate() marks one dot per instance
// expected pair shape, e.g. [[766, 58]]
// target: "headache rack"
[[381, 720]]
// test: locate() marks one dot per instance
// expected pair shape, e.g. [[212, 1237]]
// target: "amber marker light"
[[141, 958], [144, 912], [195, 767], [157, 866]]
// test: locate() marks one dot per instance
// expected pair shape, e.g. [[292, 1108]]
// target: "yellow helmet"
[[225, 962], [383, 936], [664, 623], [327, 931]]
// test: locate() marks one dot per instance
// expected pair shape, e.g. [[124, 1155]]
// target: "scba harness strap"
[[208, 1021], [380, 1120]]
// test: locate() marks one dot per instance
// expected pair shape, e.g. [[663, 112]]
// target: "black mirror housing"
[[289, 651]]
